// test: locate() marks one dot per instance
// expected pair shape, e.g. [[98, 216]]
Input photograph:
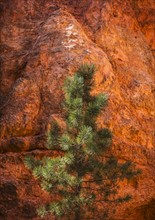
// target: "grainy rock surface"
[[44, 41]]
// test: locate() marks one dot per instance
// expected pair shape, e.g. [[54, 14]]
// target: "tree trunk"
[[78, 209], [77, 214]]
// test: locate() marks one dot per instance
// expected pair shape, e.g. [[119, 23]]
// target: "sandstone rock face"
[[44, 41]]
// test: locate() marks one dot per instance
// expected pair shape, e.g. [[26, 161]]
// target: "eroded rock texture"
[[44, 41]]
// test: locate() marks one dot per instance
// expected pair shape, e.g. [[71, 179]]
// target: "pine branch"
[[78, 177]]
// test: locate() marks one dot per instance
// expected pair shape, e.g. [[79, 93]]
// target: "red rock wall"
[[44, 41]]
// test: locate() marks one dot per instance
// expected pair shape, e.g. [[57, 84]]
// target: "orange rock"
[[44, 41]]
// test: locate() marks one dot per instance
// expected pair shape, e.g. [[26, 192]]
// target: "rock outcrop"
[[44, 41]]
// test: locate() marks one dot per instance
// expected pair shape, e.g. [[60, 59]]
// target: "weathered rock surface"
[[44, 41]]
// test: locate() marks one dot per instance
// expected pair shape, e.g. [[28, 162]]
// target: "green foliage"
[[83, 177]]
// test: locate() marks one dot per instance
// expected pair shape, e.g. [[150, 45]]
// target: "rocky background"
[[43, 41]]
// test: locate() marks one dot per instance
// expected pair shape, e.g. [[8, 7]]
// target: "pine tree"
[[84, 178]]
